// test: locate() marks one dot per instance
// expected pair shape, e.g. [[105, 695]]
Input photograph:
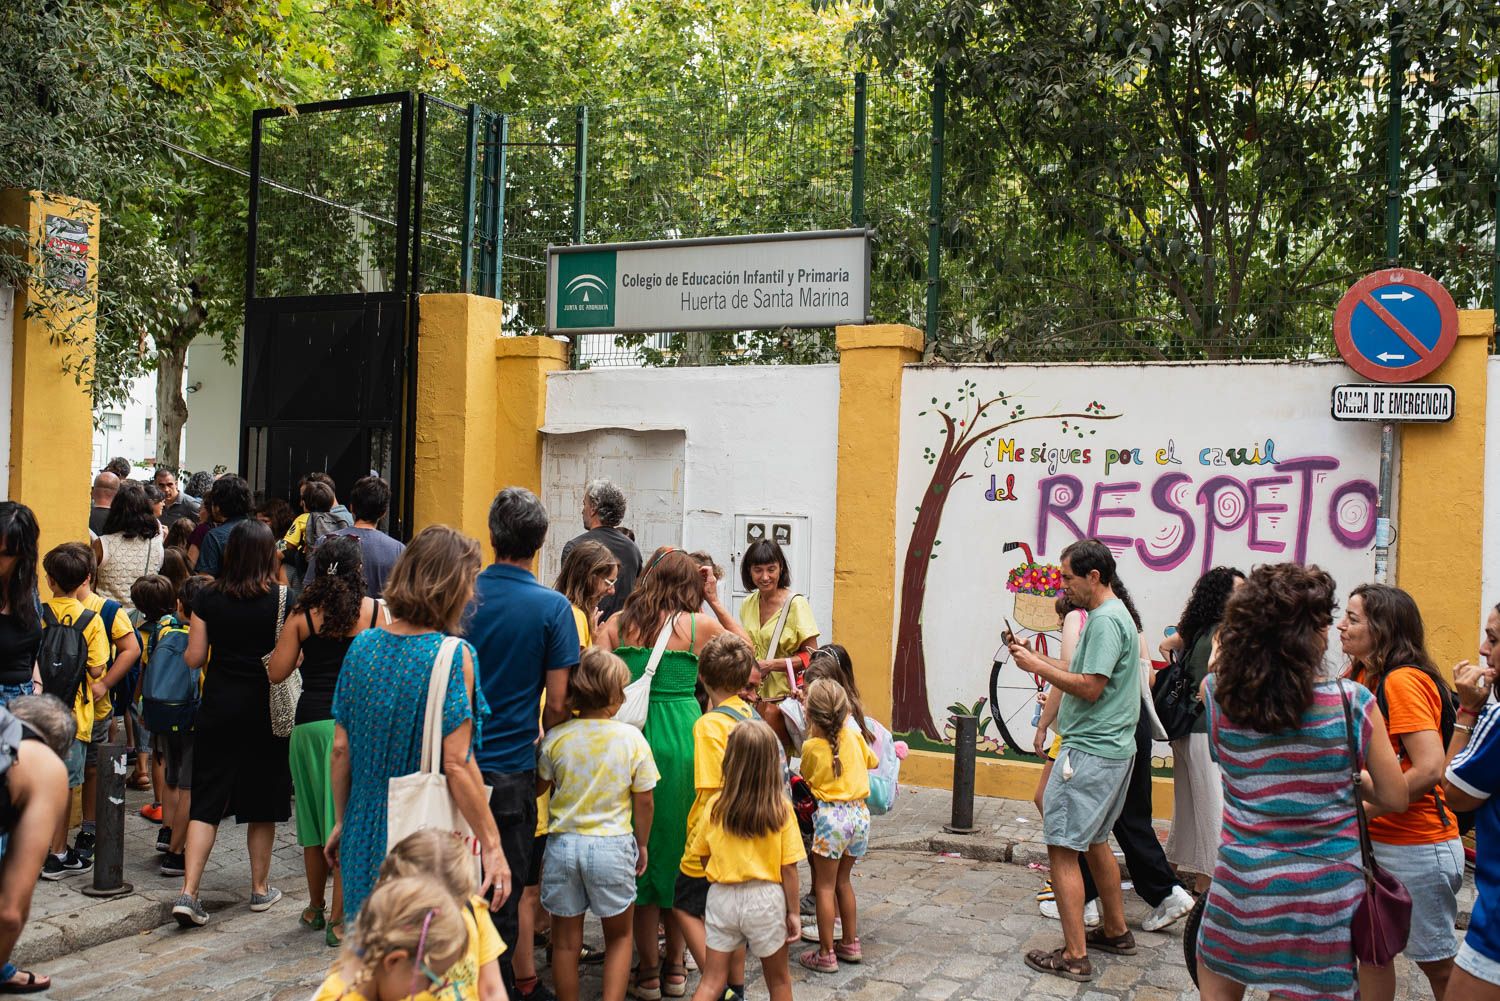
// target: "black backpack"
[[63, 657], [1448, 702]]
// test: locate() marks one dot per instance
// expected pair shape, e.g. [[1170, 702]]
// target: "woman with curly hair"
[[1197, 792], [666, 599], [332, 611], [1289, 873]]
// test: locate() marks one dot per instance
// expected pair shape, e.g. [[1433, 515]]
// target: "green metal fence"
[[1029, 255]]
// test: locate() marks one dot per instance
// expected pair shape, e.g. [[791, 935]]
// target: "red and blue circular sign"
[[1395, 325]]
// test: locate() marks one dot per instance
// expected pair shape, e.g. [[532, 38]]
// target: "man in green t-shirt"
[[1101, 705]]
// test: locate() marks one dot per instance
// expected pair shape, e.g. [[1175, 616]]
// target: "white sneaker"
[[1178, 903], [1090, 912], [810, 930]]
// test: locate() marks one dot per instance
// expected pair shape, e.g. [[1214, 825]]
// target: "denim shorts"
[[1477, 965], [1083, 798], [77, 754], [585, 872], [1432, 875], [8, 692]]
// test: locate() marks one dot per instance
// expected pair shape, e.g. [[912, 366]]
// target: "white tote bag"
[[422, 800], [638, 692]]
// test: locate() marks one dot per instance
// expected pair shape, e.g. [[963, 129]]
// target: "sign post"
[[777, 280], [1394, 326]]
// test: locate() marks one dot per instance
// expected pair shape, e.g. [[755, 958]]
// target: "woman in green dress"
[[672, 588]]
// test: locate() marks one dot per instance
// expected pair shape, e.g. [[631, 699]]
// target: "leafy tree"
[[1189, 178]]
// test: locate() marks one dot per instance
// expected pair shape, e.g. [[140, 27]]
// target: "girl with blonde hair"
[[408, 938]]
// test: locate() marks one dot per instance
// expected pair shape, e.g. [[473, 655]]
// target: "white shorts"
[[1477, 965], [752, 914]]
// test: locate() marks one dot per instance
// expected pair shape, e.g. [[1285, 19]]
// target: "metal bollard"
[[965, 741], [109, 824]]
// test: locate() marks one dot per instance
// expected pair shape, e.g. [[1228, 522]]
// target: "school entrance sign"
[[818, 279]]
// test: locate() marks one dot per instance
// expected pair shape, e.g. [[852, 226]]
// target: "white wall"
[[128, 429], [758, 440], [212, 437]]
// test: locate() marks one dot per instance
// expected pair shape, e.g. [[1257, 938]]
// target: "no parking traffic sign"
[[1395, 325]]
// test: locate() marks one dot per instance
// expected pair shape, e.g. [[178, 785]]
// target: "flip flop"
[[30, 986], [1055, 963]]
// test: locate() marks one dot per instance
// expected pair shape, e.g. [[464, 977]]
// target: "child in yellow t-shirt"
[[750, 846], [836, 763], [725, 668], [602, 774], [124, 649], [408, 941], [68, 568]]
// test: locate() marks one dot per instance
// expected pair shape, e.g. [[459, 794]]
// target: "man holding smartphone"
[[1101, 704]]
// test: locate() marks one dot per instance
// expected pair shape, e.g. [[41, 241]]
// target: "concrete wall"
[[212, 436], [757, 441]]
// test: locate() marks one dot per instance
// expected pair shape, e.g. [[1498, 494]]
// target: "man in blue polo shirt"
[[527, 642]]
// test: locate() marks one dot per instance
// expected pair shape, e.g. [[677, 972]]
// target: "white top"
[[126, 561]]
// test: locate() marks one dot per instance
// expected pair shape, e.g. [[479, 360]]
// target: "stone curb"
[[106, 921]]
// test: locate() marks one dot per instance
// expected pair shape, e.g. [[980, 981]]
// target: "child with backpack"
[[836, 763], [749, 844], [169, 702], [124, 652], [601, 774], [178, 750], [71, 663], [309, 527], [725, 668]]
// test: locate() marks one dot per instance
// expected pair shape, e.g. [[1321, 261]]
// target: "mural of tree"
[[966, 421]]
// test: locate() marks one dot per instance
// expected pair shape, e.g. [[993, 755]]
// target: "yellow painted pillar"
[[871, 360], [1440, 509], [521, 367], [51, 418], [456, 411]]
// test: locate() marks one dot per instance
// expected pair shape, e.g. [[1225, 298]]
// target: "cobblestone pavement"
[[934, 927]]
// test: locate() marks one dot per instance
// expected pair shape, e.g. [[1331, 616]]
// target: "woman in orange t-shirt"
[[1382, 636]]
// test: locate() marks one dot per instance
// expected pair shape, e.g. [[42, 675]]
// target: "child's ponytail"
[[415, 914], [828, 708]]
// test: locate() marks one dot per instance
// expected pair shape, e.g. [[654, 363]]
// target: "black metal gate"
[[333, 275]]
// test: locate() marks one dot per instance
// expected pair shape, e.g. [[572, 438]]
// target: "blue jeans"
[[8, 692]]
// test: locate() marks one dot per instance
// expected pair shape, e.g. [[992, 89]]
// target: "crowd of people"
[[475, 761]]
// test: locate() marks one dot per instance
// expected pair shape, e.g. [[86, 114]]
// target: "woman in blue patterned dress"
[[380, 702], [1289, 874]]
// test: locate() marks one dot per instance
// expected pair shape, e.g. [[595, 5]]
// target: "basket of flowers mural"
[[1035, 586]]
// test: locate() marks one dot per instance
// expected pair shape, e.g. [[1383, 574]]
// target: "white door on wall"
[[646, 465]]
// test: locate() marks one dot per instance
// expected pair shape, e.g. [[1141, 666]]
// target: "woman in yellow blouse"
[[587, 576], [770, 609]]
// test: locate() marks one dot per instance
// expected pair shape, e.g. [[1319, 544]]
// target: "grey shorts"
[[99, 737], [585, 872], [1432, 875], [1083, 798]]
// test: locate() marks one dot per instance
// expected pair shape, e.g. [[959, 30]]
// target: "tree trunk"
[[171, 408], [910, 711]]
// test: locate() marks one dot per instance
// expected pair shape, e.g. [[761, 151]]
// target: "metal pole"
[[497, 200], [857, 195], [965, 748], [419, 189], [580, 170], [935, 201], [1393, 145], [1383, 505], [1495, 273], [109, 815], [466, 239]]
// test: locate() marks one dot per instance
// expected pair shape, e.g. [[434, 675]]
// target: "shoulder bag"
[[1382, 922], [422, 799], [1175, 698], [786, 609], [638, 692], [285, 694]]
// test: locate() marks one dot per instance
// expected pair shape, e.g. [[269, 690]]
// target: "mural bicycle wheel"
[[1015, 703]]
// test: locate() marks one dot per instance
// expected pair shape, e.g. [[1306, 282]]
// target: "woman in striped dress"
[[1289, 874]]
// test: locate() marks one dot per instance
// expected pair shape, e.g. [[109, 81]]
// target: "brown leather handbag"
[[1382, 922]]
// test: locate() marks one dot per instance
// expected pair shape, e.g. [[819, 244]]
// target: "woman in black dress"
[[239, 766], [20, 616]]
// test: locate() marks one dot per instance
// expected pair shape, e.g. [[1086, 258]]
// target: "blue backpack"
[[169, 688]]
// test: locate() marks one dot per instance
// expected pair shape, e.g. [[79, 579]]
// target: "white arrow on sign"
[[1390, 357], [1399, 296]]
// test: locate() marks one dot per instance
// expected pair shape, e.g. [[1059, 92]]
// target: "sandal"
[[1045, 893], [587, 954], [1120, 945], [31, 985], [848, 952], [333, 935], [640, 976], [1055, 963], [674, 980], [138, 781], [819, 962], [312, 918]]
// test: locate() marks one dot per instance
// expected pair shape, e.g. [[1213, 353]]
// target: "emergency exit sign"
[[1423, 404]]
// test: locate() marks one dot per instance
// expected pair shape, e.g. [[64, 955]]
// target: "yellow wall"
[[1440, 505], [456, 411], [522, 364], [51, 421], [864, 599]]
